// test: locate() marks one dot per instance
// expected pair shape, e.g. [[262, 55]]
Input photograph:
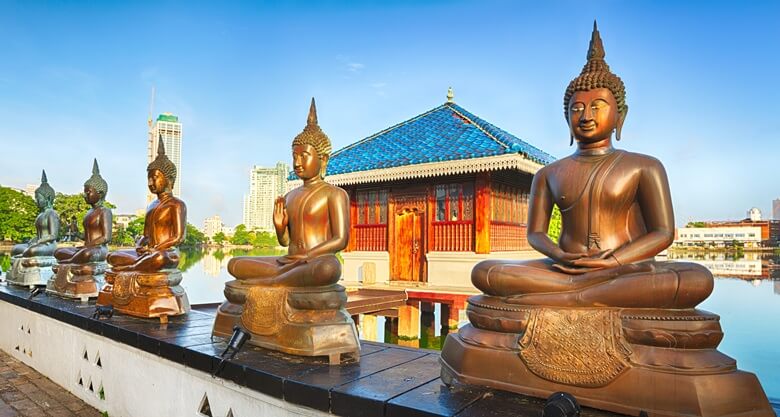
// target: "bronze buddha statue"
[[293, 303], [31, 262], [598, 317], [79, 271], [144, 281]]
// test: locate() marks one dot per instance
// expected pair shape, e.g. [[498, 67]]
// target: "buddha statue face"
[[42, 201], [157, 181], [91, 195], [307, 162], [593, 115]]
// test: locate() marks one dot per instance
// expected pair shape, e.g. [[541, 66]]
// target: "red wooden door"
[[408, 262]]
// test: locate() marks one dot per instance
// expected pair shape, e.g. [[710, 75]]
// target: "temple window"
[[508, 218], [371, 226], [453, 225]]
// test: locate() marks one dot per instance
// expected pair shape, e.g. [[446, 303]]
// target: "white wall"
[[445, 269], [135, 383], [453, 269]]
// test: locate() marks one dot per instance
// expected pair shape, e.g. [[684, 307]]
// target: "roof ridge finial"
[[44, 180], [160, 145], [95, 167], [450, 95], [312, 119], [596, 48]]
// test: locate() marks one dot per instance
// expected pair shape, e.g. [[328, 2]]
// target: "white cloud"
[[355, 66]]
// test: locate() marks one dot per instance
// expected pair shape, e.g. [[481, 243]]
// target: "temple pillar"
[[427, 325], [368, 327], [482, 213], [409, 324]]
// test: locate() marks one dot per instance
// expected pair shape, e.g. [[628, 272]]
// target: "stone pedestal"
[[298, 321], [145, 294], [30, 272], [663, 362], [78, 281]]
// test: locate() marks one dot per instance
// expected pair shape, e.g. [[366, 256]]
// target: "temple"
[[433, 195]]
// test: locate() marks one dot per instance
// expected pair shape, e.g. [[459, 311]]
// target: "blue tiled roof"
[[445, 133]]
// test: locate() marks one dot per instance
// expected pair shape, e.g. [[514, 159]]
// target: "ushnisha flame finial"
[[312, 118]]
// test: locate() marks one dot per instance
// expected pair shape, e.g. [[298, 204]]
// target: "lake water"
[[746, 296]]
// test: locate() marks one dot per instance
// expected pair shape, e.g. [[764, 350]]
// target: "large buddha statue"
[[599, 317], [144, 281], [293, 303], [80, 269], [31, 262]]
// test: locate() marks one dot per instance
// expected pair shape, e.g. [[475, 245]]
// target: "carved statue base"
[[145, 294], [298, 321], [663, 362], [78, 281], [31, 271]]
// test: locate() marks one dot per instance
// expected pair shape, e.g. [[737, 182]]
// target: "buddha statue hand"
[[280, 214], [585, 263], [292, 260]]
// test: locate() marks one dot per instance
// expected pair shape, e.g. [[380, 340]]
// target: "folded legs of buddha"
[[648, 284]]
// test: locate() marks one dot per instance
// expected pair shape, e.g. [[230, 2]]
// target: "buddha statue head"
[[95, 188], [311, 149], [44, 194], [161, 172], [595, 102]]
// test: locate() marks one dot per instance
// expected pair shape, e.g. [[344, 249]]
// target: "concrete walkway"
[[24, 392]]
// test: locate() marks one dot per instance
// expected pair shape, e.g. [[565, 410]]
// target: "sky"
[[76, 79]]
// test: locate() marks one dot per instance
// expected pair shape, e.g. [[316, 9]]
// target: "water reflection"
[[205, 271], [748, 266]]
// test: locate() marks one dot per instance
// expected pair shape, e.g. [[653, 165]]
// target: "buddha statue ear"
[[571, 134], [621, 119], [324, 165]]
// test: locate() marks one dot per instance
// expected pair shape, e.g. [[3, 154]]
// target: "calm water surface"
[[746, 296]]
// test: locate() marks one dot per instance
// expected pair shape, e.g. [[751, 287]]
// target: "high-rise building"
[[265, 185], [212, 225], [168, 127], [776, 209]]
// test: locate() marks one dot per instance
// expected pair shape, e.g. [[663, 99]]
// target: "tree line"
[[18, 212], [244, 237]]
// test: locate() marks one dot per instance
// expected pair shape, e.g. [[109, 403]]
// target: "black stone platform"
[[389, 380]]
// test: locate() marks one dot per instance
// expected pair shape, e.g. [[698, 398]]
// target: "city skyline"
[[696, 80]]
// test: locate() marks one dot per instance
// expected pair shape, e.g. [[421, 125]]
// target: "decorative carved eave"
[[433, 169]]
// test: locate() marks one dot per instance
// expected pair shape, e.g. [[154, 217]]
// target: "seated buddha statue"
[[313, 222], [47, 225], [599, 318], [616, 212], [97, 224], [144, 281], [79, 268], [165, 223], [32, 261]]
